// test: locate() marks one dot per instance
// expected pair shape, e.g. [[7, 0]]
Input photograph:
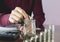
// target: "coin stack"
[[46, 36]]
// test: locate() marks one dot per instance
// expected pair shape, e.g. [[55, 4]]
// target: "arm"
[[38, 13]]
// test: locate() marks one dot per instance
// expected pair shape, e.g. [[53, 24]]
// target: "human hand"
[[21, 28], [18, 15], [21, 32]]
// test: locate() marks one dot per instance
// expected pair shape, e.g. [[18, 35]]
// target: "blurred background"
[[52, 14], [52, 11]]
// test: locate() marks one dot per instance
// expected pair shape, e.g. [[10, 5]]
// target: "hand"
[[21, 32], [18, 15], [21, 28]]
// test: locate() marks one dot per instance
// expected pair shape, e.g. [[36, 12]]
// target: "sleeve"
[[3, 14], [38, 13], [4, 20]]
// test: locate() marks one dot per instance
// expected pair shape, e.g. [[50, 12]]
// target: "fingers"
[[15, 17], [18, 15], [14, 12], [21, 37], [20, 10], [20, 28], [28, 30], [21, 31]]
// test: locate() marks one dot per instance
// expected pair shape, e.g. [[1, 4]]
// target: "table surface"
[[56, 35]]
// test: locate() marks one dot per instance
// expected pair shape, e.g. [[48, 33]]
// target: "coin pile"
[[46, 36]]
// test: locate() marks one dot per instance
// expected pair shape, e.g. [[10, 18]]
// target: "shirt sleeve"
[[4, 20], [38, 13]]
